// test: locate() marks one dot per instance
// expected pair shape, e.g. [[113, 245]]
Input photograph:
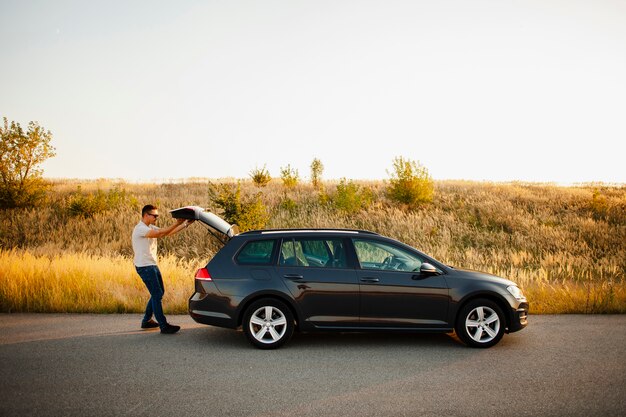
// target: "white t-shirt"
[[145, 248]]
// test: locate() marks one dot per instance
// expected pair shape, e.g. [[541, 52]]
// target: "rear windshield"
[[256, 252]]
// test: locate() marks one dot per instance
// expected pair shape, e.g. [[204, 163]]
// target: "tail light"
[[203, 275]]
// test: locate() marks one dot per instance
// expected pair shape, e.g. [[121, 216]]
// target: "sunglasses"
[[154, 215]]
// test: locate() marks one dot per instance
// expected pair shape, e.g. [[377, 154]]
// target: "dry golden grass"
[[564, 245], [81, 283]]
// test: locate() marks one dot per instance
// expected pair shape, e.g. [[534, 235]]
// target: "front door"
[[393, 291]]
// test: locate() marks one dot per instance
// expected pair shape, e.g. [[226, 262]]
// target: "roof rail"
[[308, 230]]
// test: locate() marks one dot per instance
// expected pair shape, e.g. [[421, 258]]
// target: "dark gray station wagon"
[[272, 282]]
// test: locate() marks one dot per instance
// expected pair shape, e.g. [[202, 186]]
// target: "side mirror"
[[428, 269]]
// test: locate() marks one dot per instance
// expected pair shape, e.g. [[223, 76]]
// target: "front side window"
[[317, 252], [256, 253], [380, 255]]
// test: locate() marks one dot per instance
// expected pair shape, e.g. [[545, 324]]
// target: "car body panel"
[[326, 296], [466, 284], [402, 299]]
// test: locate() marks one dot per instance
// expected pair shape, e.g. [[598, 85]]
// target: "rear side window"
[[313, 252], [258, 252]]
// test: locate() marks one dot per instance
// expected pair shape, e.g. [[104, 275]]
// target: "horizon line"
[[182, 180]]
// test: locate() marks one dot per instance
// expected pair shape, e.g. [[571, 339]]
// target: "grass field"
[[564, 245]]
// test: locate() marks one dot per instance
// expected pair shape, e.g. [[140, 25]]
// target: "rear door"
[[393, 293], [317, 273]]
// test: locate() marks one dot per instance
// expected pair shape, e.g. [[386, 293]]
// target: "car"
[[274, 282]]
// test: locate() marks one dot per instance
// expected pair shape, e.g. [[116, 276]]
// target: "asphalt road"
[[103, 365]]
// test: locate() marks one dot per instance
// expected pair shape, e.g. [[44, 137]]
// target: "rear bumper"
[[212, 318], [210, 307], [518, 318]]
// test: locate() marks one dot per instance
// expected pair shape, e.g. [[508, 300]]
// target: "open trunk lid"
[[206, 217]]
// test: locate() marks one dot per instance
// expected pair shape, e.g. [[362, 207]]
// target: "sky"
[[480, 90]]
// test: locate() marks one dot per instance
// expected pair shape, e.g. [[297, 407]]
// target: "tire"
[[266, 333], [480, 323]]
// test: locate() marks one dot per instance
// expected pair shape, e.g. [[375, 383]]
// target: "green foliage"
[[21, 153], [350, 197], [260, 176], [317, 168], [598, 206], [248, 214], [611, 210], [410, 183], [91, 204], [323, 198], [289, 204], [289, 176], [253, 215]]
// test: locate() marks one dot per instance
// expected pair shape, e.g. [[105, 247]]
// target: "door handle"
[[293, 276], [369, 279]]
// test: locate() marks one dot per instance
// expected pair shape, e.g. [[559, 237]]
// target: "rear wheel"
[[268, 323], [480, 323]]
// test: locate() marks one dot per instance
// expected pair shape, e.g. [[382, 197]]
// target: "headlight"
[[516, 292]]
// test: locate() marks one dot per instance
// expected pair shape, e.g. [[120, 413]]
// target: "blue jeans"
[[151, 276]]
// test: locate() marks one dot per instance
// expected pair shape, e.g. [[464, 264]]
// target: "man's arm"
[[168, 231]]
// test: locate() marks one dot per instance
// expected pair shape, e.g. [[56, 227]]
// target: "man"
[[144, 239]]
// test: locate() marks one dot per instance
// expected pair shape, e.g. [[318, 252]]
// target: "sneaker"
[[151, 324], [169, 329]]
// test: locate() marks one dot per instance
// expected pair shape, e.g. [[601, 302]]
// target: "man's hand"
[[168, 231]]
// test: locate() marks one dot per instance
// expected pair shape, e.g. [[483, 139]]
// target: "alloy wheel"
[[482, 324], [268, 324]]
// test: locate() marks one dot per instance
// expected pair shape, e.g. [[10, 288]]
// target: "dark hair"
[[147, 208]]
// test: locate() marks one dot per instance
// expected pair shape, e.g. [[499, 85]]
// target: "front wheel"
[[268, 323], [480, 323]]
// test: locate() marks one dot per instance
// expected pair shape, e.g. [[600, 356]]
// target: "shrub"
[[288, 204], [350, 197], [323, 198], [289, 176], [88, 205], [260, 177], [248, 214], [253, 214], [603, 206], [410, 183]]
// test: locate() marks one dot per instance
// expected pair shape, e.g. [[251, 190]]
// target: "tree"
[[317, 168], [20, 155], [410, 183]]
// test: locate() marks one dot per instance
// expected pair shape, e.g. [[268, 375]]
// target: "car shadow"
[[375, 340], [235, 339]]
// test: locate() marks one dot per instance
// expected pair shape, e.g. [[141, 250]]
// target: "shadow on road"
[[235, 339]]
